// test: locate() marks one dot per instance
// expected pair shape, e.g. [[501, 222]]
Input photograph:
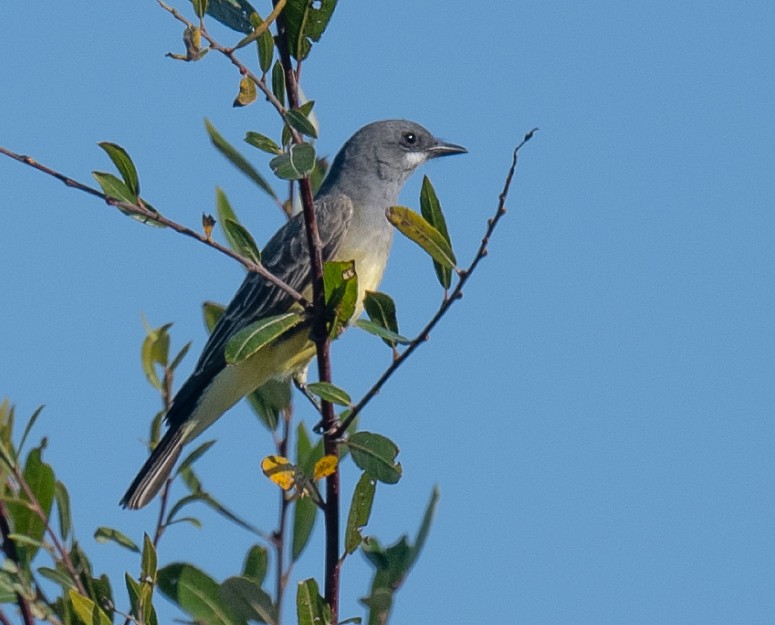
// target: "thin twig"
[[141, 210], [166, 398], [455, 295]]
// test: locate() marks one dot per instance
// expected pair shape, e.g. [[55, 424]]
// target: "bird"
[[364, 179]]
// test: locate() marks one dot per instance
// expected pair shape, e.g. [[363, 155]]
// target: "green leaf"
[[376, 455], [211, 313], [194, 456], [180, 356], [430, 208], [248, 600], [262, 142], [88, 611], [236, 159], [318, 174], [196, 593], [234, 14], [304, 516], [30, 424], [216, 505], [155, 351], [249, 340], [278, 81], [200, 8], [269, 400], [311, 608], [360, 511], [382, 310], [6, 425], [108, 534], [243, 242], [265, 51], [299, 121], [39, 476], [58, 576], [62, 499], [377, 330], [256, 564], [340, 283], [307, 454], [417, 229], [247, 93], [124, 165], [148, 566], [225, 211], [294, 164], [257, 32], [117, 189], [305, 22], [425, 526], [392, 565], [329, 392]]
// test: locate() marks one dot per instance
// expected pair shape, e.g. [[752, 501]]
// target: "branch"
[[320, 337], [143, 211], [456, 294]]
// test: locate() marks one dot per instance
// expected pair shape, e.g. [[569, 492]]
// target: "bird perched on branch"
[[364, 179]]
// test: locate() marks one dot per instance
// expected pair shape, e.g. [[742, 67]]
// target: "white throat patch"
[[415, 159]]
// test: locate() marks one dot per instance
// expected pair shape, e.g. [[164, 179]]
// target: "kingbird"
[[364, 179]]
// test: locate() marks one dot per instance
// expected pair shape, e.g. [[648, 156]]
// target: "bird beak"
[[445, 149]]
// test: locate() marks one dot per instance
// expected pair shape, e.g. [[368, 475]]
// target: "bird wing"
[[287, 257]]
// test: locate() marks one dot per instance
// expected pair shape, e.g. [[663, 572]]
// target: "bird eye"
[[409, 138]]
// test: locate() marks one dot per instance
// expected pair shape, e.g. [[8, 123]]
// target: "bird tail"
[[155, 471]]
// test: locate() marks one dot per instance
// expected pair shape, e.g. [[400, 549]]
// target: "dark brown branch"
[[321, 338], [455, 295], [143, 211]]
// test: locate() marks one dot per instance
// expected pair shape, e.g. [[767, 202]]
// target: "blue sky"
[[598, 409]]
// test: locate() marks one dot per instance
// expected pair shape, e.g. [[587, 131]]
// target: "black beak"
[[445, 149]]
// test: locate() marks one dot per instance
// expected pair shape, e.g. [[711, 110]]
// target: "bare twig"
[[142, 210], [455, 295]]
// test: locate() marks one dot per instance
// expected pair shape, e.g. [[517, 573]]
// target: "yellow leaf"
[[325, 466], [280, 470], [247, 92]]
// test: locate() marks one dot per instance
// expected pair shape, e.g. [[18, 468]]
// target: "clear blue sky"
[[597, 410]]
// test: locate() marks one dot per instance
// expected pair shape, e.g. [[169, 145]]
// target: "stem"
[[279, 537], [321, 339]]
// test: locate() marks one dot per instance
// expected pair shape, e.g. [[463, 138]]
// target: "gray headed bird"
[[364, 179]]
